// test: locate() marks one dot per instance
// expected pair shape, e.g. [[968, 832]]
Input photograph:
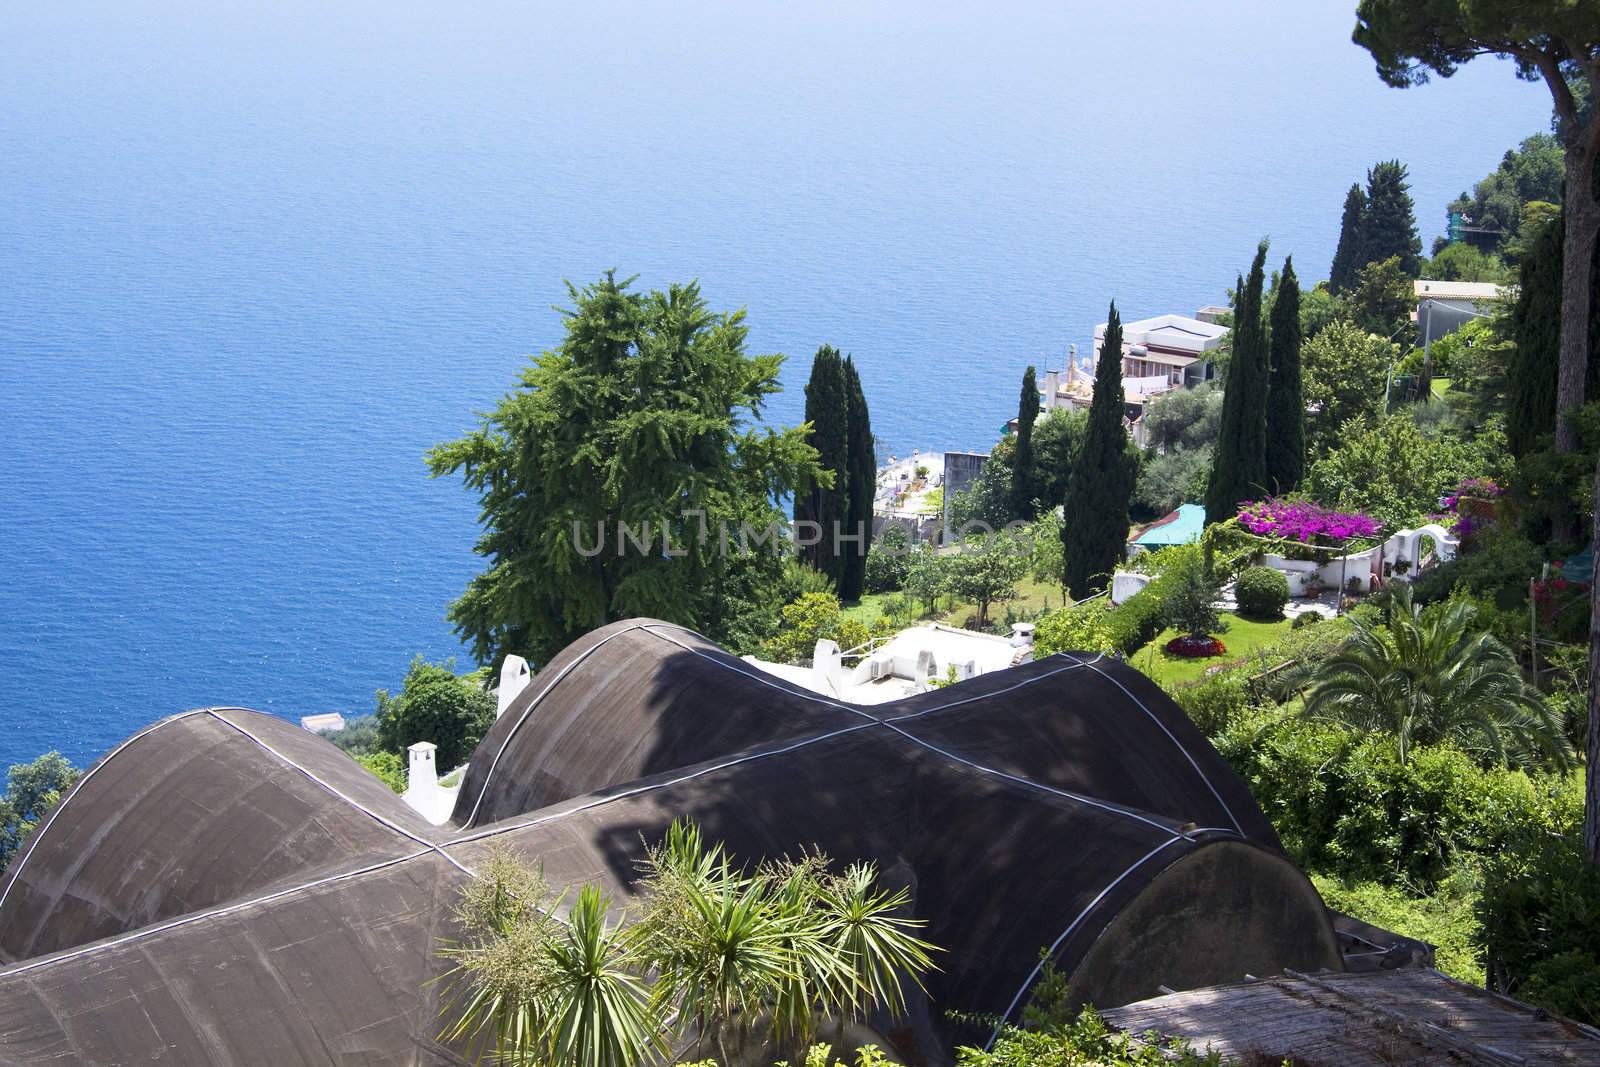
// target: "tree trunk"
[[1577, 257], [1591, 808], [1592, 749]]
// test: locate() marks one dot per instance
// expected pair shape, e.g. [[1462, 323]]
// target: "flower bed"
[[1303, 521], [1196, 646]]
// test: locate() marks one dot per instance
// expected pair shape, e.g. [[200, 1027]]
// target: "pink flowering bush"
[[1303, 521], [1472, 505]]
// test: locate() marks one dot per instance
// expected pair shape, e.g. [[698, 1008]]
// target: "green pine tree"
[[1391, 226], [1096, 528], [824, 499], [649, 410], [1286, 402], [1348, 258], [1239, 470], [862, 466], [1023, 490]]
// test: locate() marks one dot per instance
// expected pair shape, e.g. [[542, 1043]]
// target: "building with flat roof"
[[1166, 349]]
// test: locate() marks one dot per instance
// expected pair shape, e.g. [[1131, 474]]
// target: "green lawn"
[[1244, 638], [1032, 598]]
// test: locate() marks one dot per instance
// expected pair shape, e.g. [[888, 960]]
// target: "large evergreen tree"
[[825, 498], [1024, 491], [862, 466], [1532, 369], [643, 415], [1102, 480], [1239, 467], [1286, 403], [1348, 257], [1391, 224], [1536, 331]]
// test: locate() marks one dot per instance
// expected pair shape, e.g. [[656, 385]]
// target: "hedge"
[[1344, 804], [1540, 914]]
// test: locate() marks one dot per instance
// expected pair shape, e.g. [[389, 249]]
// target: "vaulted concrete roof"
[[226, 888]]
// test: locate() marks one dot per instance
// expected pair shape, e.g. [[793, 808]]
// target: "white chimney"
[[424, 774], [1052, 385], [515, 674]]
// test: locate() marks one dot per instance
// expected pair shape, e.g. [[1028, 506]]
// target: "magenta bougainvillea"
[[1472, 505], [1303, 521]]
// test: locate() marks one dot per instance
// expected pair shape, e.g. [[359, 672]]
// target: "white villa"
[[906, 663], [1158, 355]]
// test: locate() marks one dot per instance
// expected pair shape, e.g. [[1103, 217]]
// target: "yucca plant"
[[728, 951], [820, 977], [864, 930], [600, 1014], [1429, 678], [526, 989], [498, 990], [721, 957]]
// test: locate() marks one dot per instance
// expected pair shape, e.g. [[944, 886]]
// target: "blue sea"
[[255, 258]]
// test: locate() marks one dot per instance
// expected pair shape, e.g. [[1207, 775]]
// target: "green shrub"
[[889, 559], [1540, 913], [1344, 803], [388, 767], [1445, 919], [1304, 619], [438, 706], [1136, 620], [1085, 1042], [1075, 628], [1217, 702], [1262, 592]]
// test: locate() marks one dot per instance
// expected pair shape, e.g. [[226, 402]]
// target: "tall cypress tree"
[[862, 465], [1103, 475], [1391, 227], [1536, 329], [1534, 362], [1286, 402], [1239, 465], [826, 504], [1023, 488], [1348, 258]]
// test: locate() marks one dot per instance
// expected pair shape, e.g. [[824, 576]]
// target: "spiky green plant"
[[1429, 677], [600, 1014], [863, 926], [498, 990]]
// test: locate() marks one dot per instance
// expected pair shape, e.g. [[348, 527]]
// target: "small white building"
[[907, 663], [330, 723]]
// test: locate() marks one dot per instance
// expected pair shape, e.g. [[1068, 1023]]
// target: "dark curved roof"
[[1064, 804]]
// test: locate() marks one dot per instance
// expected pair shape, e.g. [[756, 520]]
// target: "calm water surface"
[[255, 260]]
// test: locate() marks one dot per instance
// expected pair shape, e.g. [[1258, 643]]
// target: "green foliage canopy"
[[640, 416], [435, 705]]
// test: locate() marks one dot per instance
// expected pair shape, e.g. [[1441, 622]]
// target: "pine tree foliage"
[[1239, 471], [862, 466], [1286, 403], [1391, 223], [1102, 480], [1024, 491], [825, 499], [1348, 257], [645, 413]]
